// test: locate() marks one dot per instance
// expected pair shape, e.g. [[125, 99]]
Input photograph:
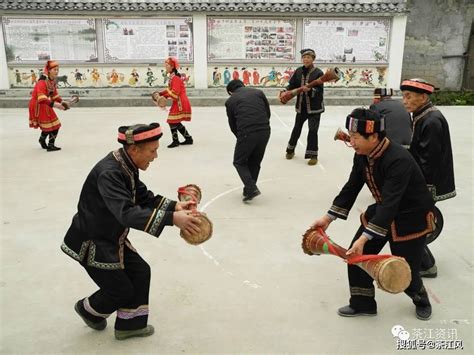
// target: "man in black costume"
[[401, 215], [113, 200]]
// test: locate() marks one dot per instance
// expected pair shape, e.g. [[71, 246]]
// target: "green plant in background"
[[450, 98]]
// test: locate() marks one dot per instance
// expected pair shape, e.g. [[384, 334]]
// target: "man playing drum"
[[113, 200], [402, 214]]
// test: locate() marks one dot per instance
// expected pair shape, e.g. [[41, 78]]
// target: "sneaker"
[[52, 148], [290, 155], [173, 144], [250, 196], [313, 161], [187, 141], [431, 273], [97, 326], [125, 334], [348, 311], [423, 312]]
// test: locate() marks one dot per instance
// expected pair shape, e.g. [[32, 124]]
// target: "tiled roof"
[[269, 6]]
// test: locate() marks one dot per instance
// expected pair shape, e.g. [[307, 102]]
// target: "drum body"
[[392, 274], [314, 243]]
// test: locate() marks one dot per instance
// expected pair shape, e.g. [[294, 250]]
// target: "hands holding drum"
[[195, 226], [159, 100]]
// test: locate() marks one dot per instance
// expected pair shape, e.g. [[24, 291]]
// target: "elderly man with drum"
[[402, 214], [113, 200]]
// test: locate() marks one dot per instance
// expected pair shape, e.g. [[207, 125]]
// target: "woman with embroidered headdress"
[[180, 108], [44, 98]]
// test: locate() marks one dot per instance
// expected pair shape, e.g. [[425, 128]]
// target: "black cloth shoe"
[[125, 334], [97, 326], [187, 141], [431, 273], [348, 311], [52, 148], [173, 144], [423, 312], [42, 142], [251, 195]]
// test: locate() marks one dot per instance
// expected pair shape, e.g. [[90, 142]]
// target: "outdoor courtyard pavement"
[[250, 288]]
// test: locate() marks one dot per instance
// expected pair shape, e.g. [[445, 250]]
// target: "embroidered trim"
[[73, 254], [374, 229], [360, 291], [127, 170], [126, 313], [339, 211], [430, 222], [88, 308], [445, 196], [100, 265], [172, 93], [160, 214]]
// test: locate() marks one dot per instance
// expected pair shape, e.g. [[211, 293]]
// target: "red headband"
[[136, 138], [418, 85], [50, 64], [173, 62]]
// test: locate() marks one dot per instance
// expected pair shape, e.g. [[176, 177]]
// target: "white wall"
[[397, 44], [200, 51], [4, 82]]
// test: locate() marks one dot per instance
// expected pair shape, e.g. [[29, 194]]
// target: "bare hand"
[[322, 222], [306, 89], [185, 205], [358, 246], [186, 220]]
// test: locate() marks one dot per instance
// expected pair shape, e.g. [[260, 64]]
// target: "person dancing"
[[181, 108], [44, 98]]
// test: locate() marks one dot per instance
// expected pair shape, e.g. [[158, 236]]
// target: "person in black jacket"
[[113, 200], [397, 119], [402, 214], [249, 114], [431, 148], [309, 106]]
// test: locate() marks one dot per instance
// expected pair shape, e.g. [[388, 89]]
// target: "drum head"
[[205, 225], [439, 223], [394, 275]]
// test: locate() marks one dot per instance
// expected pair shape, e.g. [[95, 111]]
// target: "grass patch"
[[451, 98]]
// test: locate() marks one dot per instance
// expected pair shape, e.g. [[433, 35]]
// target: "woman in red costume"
[[181, 108], [44, 98]]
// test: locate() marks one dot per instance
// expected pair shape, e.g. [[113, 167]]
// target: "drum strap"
[[361, 258]]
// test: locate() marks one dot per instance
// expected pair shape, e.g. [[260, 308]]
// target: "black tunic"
[[403, 202], [313, 99], [431, 148], [112, 200]]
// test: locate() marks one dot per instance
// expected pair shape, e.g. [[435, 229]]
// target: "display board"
[[362, 40], [148, 39], [29, 39], [241, 39]]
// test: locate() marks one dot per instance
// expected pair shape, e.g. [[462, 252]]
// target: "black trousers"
[[312, 140], [125, 291], [248, 155], [361, 284]]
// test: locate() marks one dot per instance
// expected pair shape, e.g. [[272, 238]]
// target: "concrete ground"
[[250, 289]]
